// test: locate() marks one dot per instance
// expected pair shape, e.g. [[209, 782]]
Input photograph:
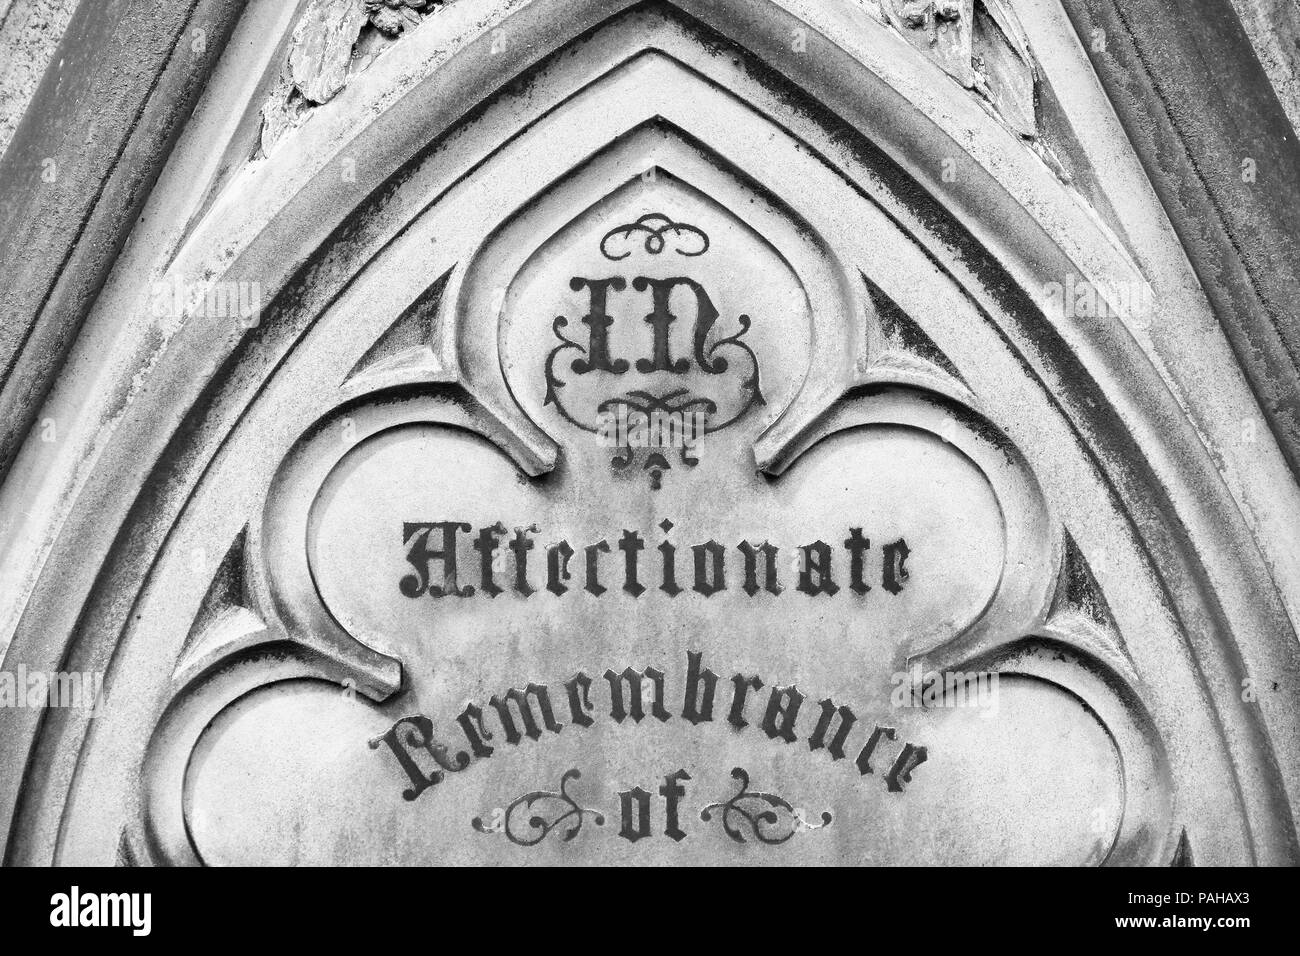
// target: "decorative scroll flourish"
[[656, 226], [663, 417], [673, 406], [766, 815], [553, 382], [562, 808]]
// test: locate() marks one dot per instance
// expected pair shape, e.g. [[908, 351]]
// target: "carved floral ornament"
[[391, 17], [979, 43], [433, 589]]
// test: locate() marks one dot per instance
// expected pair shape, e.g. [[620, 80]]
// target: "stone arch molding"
[[1117, 592]]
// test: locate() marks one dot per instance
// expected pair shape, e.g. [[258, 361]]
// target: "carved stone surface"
[[29, 32], [561, 431]]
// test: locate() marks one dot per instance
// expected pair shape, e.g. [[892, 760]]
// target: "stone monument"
[[669, 433]]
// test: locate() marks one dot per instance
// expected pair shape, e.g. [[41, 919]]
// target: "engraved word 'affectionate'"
[[434, 546]]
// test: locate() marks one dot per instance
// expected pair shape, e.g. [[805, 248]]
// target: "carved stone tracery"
[[634, 104]]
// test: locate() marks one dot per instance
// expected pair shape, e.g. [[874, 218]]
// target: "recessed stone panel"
[[684, 433]]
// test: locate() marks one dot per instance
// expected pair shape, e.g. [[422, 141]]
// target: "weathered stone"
[[745, 432], [30, 31], [321, 48]]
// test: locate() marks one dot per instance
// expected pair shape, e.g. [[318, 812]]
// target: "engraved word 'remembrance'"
[[635, 695], [434, 552]]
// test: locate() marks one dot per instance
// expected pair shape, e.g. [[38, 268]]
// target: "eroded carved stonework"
[[663, 433]]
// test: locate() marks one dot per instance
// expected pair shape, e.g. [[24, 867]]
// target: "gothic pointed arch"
[[355, 502]]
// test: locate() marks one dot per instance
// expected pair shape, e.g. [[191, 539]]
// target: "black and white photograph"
[[812, 434]]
